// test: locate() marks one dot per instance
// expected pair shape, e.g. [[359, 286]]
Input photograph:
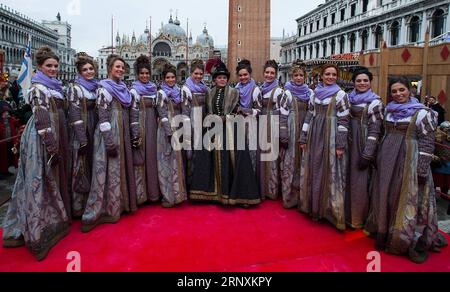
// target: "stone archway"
[[182, 71]]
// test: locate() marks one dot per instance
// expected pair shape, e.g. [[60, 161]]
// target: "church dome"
[[205, 40], [174, 29], [143, 38]]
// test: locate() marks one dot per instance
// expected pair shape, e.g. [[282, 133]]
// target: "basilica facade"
[[171, 45]]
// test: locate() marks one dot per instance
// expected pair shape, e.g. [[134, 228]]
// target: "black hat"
[[221, 69]]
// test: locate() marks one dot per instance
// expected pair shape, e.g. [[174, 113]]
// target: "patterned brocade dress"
[[113, 187], [144, 124], [366, 126], [171, 164], [403, 214], [223, 175], [290, 165], [197, 105], [37, 216], [323, 175], [83, 119], [273, 104]]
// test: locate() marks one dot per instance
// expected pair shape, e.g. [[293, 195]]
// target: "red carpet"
[[196, 238]]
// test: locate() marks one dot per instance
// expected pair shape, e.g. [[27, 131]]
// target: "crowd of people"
[[101, 150]]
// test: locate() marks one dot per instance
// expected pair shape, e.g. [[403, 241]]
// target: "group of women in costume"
[[104, 150]]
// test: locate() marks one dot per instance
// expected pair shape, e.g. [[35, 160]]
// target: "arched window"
[[342, 45], [395, 33], [333, 46], [310, 51], [325, 47], [378, 36], [414, 29], [317, 50], [364, 40], [438, 23], [162, 49], [352, 42]]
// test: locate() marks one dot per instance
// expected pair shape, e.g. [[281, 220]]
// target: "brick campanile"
[[249, 35]]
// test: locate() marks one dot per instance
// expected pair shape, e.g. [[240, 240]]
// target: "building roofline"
[[318, 8], [25, 20]]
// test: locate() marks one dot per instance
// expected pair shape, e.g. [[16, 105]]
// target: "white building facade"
[[15, 31], [14, 34], [352, 26], [67, 70]]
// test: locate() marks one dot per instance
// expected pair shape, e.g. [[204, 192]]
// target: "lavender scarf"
[[148, 89], [118, 90], [323, 92], [52, 83], [90, 85], [246, 93], [196, 87], [400, 111], [356, 97], [300, 91], [174, 93], [268, 87]]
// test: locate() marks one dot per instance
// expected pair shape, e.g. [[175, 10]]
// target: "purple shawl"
[[52, 83], [246, 93], [173, 93], [323, 92], [268, 87], [400, 111], [90, 85], [148, 89], [300, 91], [118, 90], [357, 97], [196, 87]]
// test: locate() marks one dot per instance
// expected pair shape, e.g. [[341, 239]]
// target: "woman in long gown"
[[113, 187], [249, 104], [365, 133], [83, 119], [196, 92], [298, 95], [37, 216], [144, 127], [403, 215], [324, 142], [220, 174], [274, 104], [171, 163]]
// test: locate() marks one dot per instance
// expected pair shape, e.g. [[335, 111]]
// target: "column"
[[403, 32], [320, 49], [338, 45], [423, 27], [386, 33], [346, 45], [357, 41], [371, 39]]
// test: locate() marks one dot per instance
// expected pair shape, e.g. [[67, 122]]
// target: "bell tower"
[[249, 35]]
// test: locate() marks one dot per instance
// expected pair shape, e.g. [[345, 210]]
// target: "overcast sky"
[[91, 19]]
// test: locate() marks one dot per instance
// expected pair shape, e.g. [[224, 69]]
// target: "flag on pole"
[[26, 71]]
